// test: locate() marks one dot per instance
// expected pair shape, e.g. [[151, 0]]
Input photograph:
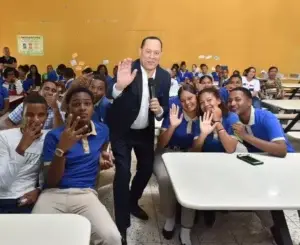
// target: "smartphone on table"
[[249, 159]]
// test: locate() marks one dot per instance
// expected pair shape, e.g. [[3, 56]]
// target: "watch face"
[[59, 153]]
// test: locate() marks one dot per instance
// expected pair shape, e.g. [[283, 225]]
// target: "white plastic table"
[[220, 181], [44, 229], [292, 105], [294, 86], [14, 98]]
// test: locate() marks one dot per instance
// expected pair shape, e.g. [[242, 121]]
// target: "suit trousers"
[[142, 142]]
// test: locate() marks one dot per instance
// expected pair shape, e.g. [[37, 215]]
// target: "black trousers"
[[11, 206], [142, 142]]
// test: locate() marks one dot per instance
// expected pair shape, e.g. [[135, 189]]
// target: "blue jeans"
[[11, 206], [256, 102]]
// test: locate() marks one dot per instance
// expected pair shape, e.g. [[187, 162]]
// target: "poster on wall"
[[31, 45]]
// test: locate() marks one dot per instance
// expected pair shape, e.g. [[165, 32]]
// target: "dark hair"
[[24, 68], [245, 91], [101, 66], [218, 66], [248, 70], [272, 68], [35, 98], [98, 76], [48, 81], [87, 70], [234, 76], [37, 71], [151, 38], [77, 90], [182, 63], [61, 68], [187, 87], [215, 93], [68, 73], [8, 70], [203, 65], [206, 76], [237, 72], [175, 66]]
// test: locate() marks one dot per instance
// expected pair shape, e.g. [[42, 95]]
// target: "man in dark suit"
[[131, 123]]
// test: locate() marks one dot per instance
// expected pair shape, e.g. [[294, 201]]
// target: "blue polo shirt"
[[174, 100], [264, 125], [27, 84], [212, 142], [100, 110], [183, 75], [224, 94], [82, 166], [3, 96], [181, 137]]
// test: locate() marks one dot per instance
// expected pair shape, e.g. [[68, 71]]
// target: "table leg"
[[281, 229], [293, 93], [292, 123]]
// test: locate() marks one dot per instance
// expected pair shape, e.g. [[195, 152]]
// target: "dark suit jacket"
[[126, 107]]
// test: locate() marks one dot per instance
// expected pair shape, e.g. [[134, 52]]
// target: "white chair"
[[44, 229]]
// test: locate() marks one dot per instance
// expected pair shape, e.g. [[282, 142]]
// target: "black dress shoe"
[[124, 242], [138, 212], [168, 235]]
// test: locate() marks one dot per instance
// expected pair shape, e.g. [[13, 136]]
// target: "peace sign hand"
[[71, 135], [124, 75], [174, 113], [206, 125]]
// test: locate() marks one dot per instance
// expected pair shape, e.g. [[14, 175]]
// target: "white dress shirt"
[[19, 174], [141, 121]]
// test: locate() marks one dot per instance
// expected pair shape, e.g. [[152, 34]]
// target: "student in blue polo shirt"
[[177, 134], [259, 129], [71, 156], [98, 87], [183, 73], [233, 82], [216, 124], [26, 82], [4, 100]]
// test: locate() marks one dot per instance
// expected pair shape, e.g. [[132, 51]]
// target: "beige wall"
[[241, 32]]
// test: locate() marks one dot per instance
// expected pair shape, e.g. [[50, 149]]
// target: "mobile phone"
[[249, 159]]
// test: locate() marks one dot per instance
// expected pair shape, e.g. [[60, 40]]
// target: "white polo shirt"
[[19, 174], [253, 85]]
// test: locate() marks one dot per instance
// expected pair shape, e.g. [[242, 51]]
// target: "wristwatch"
[[59, 152]]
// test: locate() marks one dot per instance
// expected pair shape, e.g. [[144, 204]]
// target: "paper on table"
[[73, 62], [81, 63], [74, 55], [105, 62]]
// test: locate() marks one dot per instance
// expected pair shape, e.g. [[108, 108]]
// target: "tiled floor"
[[230, 229]]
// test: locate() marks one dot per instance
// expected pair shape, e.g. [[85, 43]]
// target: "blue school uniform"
[[174, 100], [215, 76], [224, 94], [100, 110], [184, 134], [27, 84], [183, 75], [212, 142], [3, 96], [264, 125], [82, 159]]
